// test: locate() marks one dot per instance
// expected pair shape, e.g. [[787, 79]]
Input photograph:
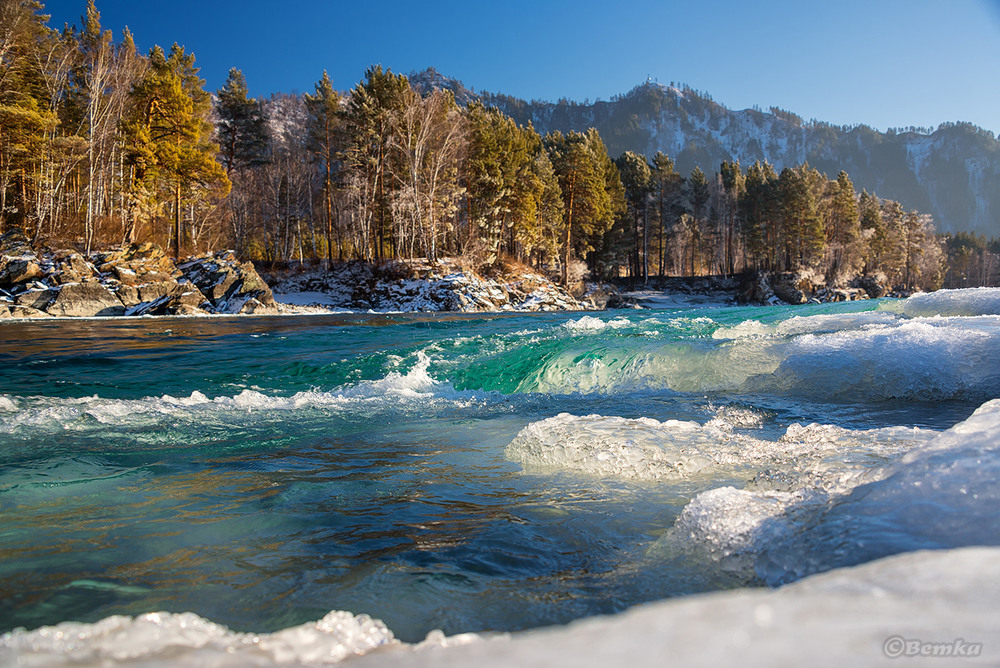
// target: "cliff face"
[[952, 173]]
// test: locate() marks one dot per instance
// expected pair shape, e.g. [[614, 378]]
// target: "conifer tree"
[[170, 138], [325, 144], [370, 118], [585, 173], [637, 178], [242, 126]]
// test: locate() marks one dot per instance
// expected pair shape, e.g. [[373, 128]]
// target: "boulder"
[[871, 286], [4, 310], [27, 312], [167, 298], [85, 300], [73, 269], [37, 299], [18, 262], [786, 288], [18, 269], [228, 284]]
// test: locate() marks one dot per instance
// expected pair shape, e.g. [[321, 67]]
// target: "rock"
[[18, 262], [755, 289], [85, 300], [228, 284], [254, 307], [15, 270], [168, 298], [786, 288], [37, 299], [4, 310], [871, 286], [27, 312], [73, 269]]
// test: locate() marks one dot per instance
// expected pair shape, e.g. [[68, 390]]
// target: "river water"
[[482, 473]]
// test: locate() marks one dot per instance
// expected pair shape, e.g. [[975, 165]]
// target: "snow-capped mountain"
[[952, 173]]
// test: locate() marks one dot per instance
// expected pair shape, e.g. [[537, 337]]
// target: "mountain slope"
[[952, 173]]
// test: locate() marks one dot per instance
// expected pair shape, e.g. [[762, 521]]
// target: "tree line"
[[101, 145]]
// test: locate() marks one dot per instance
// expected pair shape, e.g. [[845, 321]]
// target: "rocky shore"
[[425, 287], [761, 289], [130, 281], [142, 280]]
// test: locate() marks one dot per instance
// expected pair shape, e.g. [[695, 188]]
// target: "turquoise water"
[[463, 473]]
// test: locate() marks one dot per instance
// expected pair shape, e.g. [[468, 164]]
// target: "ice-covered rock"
[[420, 287]]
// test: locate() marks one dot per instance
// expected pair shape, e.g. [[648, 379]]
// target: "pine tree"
[[637, 178], [370, 119], [170, 138], [325, 143], [759, 215], [669, 199], [242, 126], [843, 227], [591, 198]]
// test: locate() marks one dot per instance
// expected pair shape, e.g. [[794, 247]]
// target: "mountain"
[[953, 173]]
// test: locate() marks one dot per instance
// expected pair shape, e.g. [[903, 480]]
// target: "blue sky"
[[886, 63]]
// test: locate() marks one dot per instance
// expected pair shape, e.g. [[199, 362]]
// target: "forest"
[[102, 145]]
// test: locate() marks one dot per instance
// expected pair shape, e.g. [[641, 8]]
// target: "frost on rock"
[[417, 286]]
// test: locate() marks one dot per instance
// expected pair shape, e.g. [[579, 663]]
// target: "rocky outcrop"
[[131, 280], [422, 286], [800, 288], [84, 300]]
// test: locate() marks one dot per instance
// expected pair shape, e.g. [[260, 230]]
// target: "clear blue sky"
[[886, 63]]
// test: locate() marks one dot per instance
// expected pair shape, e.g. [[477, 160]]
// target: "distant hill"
[[953, 173]]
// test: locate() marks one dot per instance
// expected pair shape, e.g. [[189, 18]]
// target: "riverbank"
[[142, 280]]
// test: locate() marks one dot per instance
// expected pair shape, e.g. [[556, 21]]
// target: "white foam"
[[964, 302], [413, 390], [812, 324], [589, 323]]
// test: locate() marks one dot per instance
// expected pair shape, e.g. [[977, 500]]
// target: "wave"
[[964, 302], [868, 356], [409, 392]]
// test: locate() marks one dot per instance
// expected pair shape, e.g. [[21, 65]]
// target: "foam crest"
[[868, 357], [189, 639], [798, 325], [915, 360], [589, 323], [963, 302], [415, 389]]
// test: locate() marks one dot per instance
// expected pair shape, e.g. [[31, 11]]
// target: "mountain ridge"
[[952, 173]]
